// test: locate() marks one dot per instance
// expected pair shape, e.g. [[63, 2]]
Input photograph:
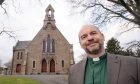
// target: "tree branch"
[[116, 2], [129, 9], [1, 1], [133, 44], [5, 12], [128, 30], [132, 20], [87, 7], [137, 2], [9, 33]]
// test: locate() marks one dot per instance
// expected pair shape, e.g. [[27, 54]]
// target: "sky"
[[25, 18]]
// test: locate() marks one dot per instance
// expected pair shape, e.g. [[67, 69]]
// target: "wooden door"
[[18, 68], [52, 66], [44, 66]]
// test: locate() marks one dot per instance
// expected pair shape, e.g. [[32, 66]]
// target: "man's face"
[[91, 39]]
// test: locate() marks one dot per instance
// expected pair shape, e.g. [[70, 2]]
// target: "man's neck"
[[97, 55]]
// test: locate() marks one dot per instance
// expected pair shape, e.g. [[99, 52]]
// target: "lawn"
[[16, 80]]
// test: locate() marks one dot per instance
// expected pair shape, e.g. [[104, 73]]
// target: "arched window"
[[44, 46], [21, 55], [62, 63], [48, 43], [18, 55], [33, 64], [53, 45]]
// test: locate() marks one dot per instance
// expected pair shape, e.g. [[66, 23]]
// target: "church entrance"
[[44, 66], [18, 68], [52, 66]]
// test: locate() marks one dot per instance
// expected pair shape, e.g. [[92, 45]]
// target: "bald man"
[[101, 67]]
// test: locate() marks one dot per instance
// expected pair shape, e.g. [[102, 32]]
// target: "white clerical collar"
[[96, 59]]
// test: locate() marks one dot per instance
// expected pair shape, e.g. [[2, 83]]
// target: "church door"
[[52, 66], [44, 66], [18, 68]]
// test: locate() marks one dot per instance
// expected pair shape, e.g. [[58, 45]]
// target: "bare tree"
[[1, 4], [106, 11], [1, 1], [8, 64], [134, 45], [125, 12], [10, 33]]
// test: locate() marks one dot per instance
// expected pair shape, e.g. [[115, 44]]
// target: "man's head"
[[91, 39]]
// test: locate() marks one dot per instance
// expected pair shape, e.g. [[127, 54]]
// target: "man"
[[100, 67]]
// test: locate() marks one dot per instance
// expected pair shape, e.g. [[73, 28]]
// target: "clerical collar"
[[98, 58]]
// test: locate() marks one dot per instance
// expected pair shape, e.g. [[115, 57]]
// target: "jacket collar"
[[82, 71], [113, 68]]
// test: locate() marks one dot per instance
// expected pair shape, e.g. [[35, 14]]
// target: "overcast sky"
[[25, 18]]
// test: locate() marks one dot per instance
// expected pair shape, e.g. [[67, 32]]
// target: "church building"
[[48, 53]]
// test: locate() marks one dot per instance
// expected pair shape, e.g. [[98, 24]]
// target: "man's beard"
[[94, 51]]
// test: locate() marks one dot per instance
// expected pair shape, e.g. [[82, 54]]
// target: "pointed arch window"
[[62, 63], [21, 55], [33, 64], [44, 46], [48, 45], [18, 55], [53, 45]]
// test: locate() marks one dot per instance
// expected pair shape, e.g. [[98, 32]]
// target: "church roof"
[[49, 8], [21, 45]]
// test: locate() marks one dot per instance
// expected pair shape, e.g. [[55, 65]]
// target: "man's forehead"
[[88, 27]]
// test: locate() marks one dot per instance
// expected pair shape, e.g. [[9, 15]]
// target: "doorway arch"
[[18, 68], [44, 66], [52, 66]]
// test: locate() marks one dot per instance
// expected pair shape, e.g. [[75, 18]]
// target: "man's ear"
[[103, 36]]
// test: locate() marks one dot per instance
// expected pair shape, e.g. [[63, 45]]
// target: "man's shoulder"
[[79, 64], [122, 57]]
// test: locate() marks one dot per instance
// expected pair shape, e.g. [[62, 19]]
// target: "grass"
[[16, 80]]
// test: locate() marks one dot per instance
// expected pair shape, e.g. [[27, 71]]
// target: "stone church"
[[48, 53]]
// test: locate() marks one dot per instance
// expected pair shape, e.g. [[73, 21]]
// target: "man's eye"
[[82, 37], [92, 33]]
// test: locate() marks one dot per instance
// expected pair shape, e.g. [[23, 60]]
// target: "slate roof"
[[21, 45]]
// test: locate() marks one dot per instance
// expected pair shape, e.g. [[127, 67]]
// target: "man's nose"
[[90, 38]]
